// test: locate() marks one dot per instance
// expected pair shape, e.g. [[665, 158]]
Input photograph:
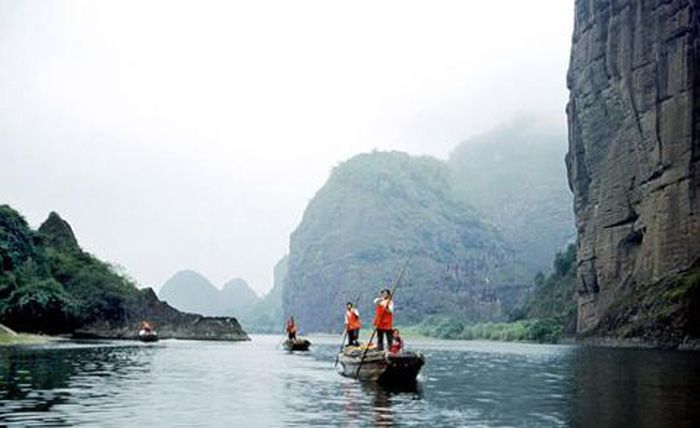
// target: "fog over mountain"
[[515, 176], [194, 134]]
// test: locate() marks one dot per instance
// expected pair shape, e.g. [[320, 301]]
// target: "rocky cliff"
[[376, 210], [634, 147]]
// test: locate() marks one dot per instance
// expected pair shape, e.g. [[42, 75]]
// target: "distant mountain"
[[191, 292], [515, 177], [266, 315], [374, 212], [238, 298]]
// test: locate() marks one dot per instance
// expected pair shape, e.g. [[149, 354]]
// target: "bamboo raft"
[[380, 366], [298, 344]]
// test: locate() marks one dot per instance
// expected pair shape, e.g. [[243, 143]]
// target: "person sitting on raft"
[[352, 324], [384, 318], [396, 343], [291, 329]]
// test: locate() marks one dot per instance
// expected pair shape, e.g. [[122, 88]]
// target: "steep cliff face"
[[373, 212], [634, 146]]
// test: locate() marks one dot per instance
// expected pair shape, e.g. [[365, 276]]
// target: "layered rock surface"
[[634, 147]]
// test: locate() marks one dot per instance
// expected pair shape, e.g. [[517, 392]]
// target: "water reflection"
[[37, 380], [257, 384], [381, 400], [640, 388]]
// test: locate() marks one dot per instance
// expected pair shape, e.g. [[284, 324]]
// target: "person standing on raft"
[[384, 318], [352, 324], [291, 329]]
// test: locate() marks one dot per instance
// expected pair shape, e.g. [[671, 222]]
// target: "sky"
[[191, 135]]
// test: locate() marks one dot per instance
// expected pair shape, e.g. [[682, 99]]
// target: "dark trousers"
[[353, 335], [380, 338], [292, 335]]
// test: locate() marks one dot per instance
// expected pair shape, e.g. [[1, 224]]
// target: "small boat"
[[380, 366], [297, 344], [148, 335]]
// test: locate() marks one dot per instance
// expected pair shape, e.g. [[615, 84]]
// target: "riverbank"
[[529, 331], [9, 337], [522, 332]]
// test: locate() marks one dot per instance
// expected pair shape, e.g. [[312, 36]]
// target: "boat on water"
[[381, 366], [147, 333], [148, 336], [298, 344]]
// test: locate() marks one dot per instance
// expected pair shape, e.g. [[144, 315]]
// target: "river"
[[251, 384]]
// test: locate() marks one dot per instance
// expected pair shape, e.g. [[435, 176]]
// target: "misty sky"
[[177, 135]]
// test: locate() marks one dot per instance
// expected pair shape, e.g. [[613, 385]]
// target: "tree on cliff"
[[49, 284]]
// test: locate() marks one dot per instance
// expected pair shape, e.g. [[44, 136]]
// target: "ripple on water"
[[256, 384]]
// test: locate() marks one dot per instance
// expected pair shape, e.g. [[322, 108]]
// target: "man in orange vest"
[[384, 318], [352, 324]]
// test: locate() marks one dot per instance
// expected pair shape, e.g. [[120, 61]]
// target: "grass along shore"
[[9, 337], [530, 330]]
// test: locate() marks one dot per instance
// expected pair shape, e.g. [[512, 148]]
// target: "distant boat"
[[298, 344], [148, 336], [147, 333], [380, 366]]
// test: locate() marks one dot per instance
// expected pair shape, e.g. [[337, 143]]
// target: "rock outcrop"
[[633, 164], [169, 322], [58, 233]]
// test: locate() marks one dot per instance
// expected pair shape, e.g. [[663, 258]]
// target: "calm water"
[[180, 383]]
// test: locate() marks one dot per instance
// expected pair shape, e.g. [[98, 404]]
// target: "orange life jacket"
[[353, 320], [383, 319]]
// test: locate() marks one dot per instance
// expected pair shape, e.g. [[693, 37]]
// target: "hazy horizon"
[[183, 135]]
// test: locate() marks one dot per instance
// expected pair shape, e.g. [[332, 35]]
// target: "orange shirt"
[[384, 314], [352, 320]]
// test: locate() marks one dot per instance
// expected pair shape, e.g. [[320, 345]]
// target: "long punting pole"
[[391, 297]]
